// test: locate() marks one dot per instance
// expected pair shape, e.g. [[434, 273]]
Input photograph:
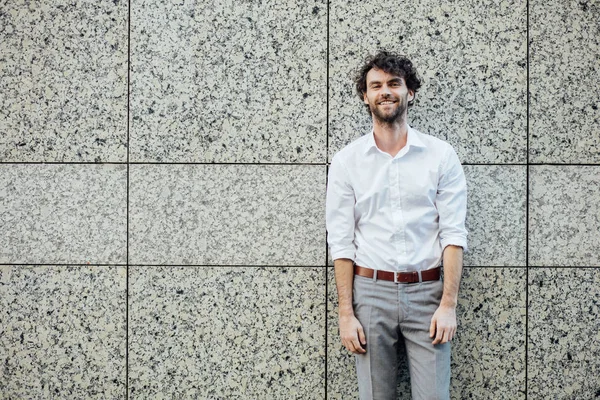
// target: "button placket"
[[399, 239]]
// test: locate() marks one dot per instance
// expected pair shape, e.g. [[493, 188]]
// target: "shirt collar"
[[413, 139]]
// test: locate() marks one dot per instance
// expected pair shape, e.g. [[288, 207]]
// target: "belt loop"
[[374, 275], [420, 276]]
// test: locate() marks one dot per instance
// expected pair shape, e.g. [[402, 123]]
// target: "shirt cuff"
[[345, 252], [455, 241]]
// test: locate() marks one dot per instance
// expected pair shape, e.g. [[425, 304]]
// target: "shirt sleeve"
[[451, 202], [339, 212]]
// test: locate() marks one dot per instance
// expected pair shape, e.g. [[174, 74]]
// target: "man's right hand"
[[352, 334]]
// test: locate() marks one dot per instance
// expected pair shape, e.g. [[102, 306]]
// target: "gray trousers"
[[390, 312]]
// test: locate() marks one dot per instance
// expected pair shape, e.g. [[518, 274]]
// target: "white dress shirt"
[[396, 213]]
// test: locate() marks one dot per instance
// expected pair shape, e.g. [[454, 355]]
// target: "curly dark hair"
[[391, 63]]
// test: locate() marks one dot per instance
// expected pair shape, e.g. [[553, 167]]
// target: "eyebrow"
[[393, 80]]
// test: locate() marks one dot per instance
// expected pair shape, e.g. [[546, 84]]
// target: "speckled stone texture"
[[564, 216], [229, 81], [62, 332], [227, 214], [564, 340], [61, 213], [496, 215], [488, 352], [564, 81], [471, 55], [227, 333], [63, 74]]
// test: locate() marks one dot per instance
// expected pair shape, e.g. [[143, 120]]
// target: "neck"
[[390, 137]]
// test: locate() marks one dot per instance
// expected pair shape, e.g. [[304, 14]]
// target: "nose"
[[385, 90]]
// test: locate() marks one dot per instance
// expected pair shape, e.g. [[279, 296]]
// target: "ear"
[[411, 95], [365, 99]]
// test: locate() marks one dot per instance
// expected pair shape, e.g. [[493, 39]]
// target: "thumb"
[[432, 327], [361, 336]]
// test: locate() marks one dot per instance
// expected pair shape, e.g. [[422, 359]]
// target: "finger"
[[439, 335], [361, 336], [359, 349], [446, 336], [432, 327], [350, 346]]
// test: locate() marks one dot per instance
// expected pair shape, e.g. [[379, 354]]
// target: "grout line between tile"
[[127, 222], [494, 266], [527, 221], [326, 175], [326, 316], [156, 163], [224, 265], [264, 163], [277, 266], [281, 266], [63, 265]]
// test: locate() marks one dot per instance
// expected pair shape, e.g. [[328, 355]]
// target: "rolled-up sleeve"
[[451, 202], [339, 210]]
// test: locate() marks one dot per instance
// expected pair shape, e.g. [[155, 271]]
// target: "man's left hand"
[[443, 324]]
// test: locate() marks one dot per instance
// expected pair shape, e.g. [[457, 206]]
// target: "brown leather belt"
[[399, 277]]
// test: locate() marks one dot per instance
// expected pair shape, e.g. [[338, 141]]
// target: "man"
[[396, 206]]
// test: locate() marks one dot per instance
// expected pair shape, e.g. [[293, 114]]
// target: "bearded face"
[[387, 96], [389, 109]]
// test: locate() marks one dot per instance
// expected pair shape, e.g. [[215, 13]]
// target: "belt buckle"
[[416, 277], [396, 277]]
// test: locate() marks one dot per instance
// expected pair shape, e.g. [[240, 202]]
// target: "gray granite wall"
[[162, 183]]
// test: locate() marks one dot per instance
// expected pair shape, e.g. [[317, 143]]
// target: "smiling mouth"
[[386, 102]]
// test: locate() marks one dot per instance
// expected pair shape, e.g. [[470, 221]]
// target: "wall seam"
[[277, 163], [326, 175], [587, 266], [527, 222], [127, 222]]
